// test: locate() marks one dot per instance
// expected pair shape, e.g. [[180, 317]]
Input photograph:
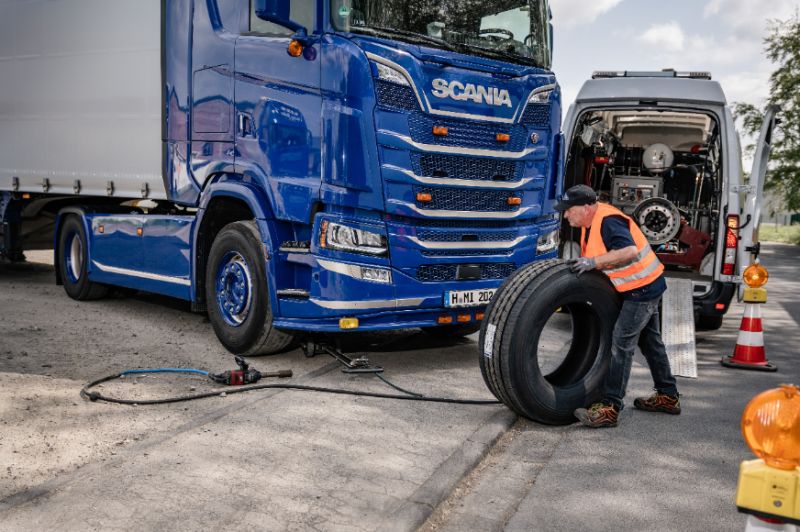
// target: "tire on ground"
[[510, 334], [249, 330], [706, 322], [452, 331], [73, 260]]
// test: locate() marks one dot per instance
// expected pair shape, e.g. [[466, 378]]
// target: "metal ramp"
[[677, 327]]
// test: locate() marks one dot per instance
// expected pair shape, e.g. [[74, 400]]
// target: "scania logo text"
[[456, 90]]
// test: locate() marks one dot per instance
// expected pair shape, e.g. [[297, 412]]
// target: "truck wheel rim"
[[234, 289], [74, 257]]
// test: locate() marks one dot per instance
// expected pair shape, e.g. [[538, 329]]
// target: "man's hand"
[[583, 264]]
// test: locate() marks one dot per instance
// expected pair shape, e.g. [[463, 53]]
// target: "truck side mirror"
[[278, 11]]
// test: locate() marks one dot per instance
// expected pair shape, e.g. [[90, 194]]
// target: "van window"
[[301, 11]]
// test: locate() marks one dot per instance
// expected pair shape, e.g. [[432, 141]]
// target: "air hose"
[[407, 395]]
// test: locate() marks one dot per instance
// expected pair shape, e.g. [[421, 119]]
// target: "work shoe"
[[659, 402], [598, 415]]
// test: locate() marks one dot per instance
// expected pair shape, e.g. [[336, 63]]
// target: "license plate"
[[468, 298]]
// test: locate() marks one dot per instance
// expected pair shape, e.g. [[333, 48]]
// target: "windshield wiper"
[[418, 37], [501, 54]]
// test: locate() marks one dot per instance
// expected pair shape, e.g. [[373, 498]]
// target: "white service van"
[[662, 147]]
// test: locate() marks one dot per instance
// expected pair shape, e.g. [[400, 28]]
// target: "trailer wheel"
[[73, 259], [237, 293], [511, 340]]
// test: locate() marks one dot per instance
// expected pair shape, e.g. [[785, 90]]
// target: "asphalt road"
[[289, 460]]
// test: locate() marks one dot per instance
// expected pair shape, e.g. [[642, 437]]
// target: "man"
[[612, 243]]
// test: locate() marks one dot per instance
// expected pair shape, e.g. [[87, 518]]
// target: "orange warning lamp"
[[771, 426], [755, 276]]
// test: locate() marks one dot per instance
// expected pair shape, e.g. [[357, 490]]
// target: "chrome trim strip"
[[464, 214], [142, 275], [368, 304], [484, 118], [459, 150], [294, 250], [350, 270], [452, 181], [543, 88], [507, 244]]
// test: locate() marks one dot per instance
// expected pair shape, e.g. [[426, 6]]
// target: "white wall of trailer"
[[80, 96]]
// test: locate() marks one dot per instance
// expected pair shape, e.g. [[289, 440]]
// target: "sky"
[[724, 37]]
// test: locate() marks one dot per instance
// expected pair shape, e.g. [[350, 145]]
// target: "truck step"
[[677, 324], [293, 246], [293, 293]]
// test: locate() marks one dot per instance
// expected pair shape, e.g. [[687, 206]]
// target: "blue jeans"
[[637, 322]]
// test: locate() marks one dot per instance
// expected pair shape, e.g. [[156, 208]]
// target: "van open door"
[[751, 214]]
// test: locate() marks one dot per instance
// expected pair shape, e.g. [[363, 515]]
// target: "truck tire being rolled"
[[512, 331]]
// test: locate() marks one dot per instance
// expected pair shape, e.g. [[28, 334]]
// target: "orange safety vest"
[[645, 269]]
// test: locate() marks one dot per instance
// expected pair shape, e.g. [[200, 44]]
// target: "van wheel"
[[237, 293], [546, 340], [73, 261], [452, 331], [708, 322]]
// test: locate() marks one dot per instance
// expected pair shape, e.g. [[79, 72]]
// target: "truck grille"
[[395, 97], [428, 273], [466, 134], [458, 199], [457, 167], [536, 114], [458, 236]]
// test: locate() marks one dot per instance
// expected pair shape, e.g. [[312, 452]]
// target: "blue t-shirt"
[[617, 235]]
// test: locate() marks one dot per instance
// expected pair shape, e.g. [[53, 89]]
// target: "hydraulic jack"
[[351, 365]]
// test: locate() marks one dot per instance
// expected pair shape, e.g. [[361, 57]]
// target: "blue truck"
[[285, 166]]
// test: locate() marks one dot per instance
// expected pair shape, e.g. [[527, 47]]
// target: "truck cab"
[[662, 147]]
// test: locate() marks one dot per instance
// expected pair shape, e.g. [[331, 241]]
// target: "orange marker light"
[[755, 276], [444, 320], [514, 200], [479, 316], [26, 196], [295, 48], [719, 306], [463, 318], [323, 231], [440, 131], [771, 426], [502, 137], [424, 197]]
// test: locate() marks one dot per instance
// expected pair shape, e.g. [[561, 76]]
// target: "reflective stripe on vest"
[[641, 271]]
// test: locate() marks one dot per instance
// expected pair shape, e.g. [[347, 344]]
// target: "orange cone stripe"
[[751, 325]]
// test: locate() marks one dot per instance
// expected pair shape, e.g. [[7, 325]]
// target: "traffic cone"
[[749, 351]]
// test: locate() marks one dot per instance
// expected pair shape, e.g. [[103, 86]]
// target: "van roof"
[[651, 86]]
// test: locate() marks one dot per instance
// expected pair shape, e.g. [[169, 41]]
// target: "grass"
[[788, 234]]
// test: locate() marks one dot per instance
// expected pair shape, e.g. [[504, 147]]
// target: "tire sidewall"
[[238, 238], [73, 228]]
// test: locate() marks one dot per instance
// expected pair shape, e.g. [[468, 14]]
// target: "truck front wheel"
[[237, 293], [73, 260]]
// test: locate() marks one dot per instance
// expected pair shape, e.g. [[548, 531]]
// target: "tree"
[[782, 47]]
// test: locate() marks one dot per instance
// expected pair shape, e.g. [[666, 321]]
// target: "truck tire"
[[707, 322], [237, 293], [452, 331], [510, 335], [73, 261]]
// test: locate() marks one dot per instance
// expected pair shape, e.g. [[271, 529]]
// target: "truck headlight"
[[547, 242], [342, 237], [387, 73], [541, 96]]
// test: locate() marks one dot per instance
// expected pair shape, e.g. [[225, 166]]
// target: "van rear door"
[[751, 214]]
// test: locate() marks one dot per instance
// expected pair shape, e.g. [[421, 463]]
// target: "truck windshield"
[[509, 30]]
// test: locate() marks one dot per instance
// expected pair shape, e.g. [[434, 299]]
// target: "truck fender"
[[244, 189], [81, 213]]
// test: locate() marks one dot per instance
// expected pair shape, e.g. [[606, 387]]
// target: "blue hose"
[[165, 370]]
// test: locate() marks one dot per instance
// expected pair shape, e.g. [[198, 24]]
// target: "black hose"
[[409, 396]]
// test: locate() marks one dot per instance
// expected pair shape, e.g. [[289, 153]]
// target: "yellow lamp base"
[[769, 492]]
